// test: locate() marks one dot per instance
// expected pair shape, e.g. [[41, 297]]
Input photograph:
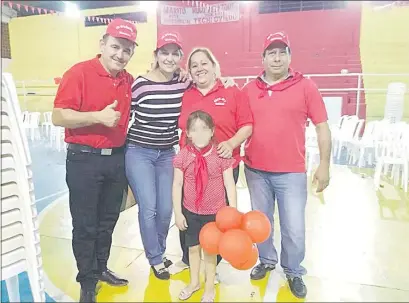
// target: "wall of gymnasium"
[[45, 46], [238, 45], [384, 47]]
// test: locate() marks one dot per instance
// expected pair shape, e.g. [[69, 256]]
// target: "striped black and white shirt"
[[155, 110]]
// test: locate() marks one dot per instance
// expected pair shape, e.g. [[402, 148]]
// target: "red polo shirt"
[[280, 113], [229, 108], [86, 87]]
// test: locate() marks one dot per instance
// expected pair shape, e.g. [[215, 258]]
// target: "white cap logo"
[[124, 27]]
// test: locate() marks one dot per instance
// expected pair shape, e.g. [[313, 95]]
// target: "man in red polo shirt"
[[93, 104], [281, 101]]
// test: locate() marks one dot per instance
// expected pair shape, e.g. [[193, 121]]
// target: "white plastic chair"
[[47, 123], [395, 152], [345, 134], [359, 146], [20, 236], [31, 123], [57, 137]]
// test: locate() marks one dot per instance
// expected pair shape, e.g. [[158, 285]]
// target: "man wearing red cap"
[[93, 104], [281, 101]]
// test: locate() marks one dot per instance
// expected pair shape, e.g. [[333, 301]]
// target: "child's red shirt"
[[214, 196]]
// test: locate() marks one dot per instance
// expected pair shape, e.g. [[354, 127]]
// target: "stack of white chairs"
[[20, 241], [395, 99]]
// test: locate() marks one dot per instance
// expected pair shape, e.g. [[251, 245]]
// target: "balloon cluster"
[[233, 235]]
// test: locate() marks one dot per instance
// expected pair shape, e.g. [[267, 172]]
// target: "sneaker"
[[297, 287], [162, 273], [167, 262], [260, 271]]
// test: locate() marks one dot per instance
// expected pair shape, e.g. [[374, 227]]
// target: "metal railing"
[[356, 89], [48, 87]]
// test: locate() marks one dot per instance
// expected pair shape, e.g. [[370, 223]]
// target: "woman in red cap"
[[152, 135], [229, 108]]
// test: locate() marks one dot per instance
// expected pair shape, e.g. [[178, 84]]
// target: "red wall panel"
[[322, 42], [315, 36]]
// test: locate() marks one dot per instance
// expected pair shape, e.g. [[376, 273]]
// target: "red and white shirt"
[[229, 108], [214, 197]]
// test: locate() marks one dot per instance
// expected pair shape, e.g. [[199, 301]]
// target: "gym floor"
[[356, 245]]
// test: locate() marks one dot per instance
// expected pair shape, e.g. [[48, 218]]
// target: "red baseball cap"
[[120, 28], [276, 37], [168, 38]]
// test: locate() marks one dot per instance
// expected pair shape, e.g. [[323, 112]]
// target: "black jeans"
[[182, 234], [96, 185]]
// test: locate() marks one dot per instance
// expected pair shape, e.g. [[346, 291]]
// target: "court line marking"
[[53, 291], [52, 195]]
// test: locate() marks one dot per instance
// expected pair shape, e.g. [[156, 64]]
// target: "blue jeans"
[[290, 190], [150, 175]]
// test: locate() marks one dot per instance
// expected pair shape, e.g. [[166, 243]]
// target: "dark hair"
[[199, 115]]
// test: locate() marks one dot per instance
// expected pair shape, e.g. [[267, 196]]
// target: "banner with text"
[[212, 13]]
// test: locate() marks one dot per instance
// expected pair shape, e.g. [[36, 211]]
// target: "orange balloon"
[[209, 238], [235, 246], [250, 262], [228, 218], [256, 225]]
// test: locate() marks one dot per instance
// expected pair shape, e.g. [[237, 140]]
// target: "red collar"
[[102, 71], [215, 88]]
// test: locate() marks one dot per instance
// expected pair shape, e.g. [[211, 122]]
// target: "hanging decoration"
[[45, 11]]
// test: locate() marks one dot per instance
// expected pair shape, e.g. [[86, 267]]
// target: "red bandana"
[[201, 174], [265, 87]]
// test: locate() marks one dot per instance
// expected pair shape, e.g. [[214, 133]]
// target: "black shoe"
[[162, 273], [260, 271], [297, 287], [110, 278], [167, 262], [87, 296]]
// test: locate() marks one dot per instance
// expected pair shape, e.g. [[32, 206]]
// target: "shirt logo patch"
[[220, 101]]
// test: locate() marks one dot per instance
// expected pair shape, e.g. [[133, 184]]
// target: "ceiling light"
[[71, 9], [148, 6]]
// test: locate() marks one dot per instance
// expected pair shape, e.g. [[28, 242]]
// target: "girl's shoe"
[[186, 293], [208, 297]]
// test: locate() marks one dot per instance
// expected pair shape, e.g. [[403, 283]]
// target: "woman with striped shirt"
[[155, 108], [153, 133]]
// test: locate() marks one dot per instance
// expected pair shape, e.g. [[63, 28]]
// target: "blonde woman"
[[230, 110]]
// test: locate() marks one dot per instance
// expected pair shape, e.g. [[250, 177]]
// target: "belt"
[[98, 151]]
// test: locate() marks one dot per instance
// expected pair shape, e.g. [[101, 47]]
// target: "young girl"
[[203, 177]]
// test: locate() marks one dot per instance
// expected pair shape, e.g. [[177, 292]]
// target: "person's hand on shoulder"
[[183, 75], [228, 82]]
